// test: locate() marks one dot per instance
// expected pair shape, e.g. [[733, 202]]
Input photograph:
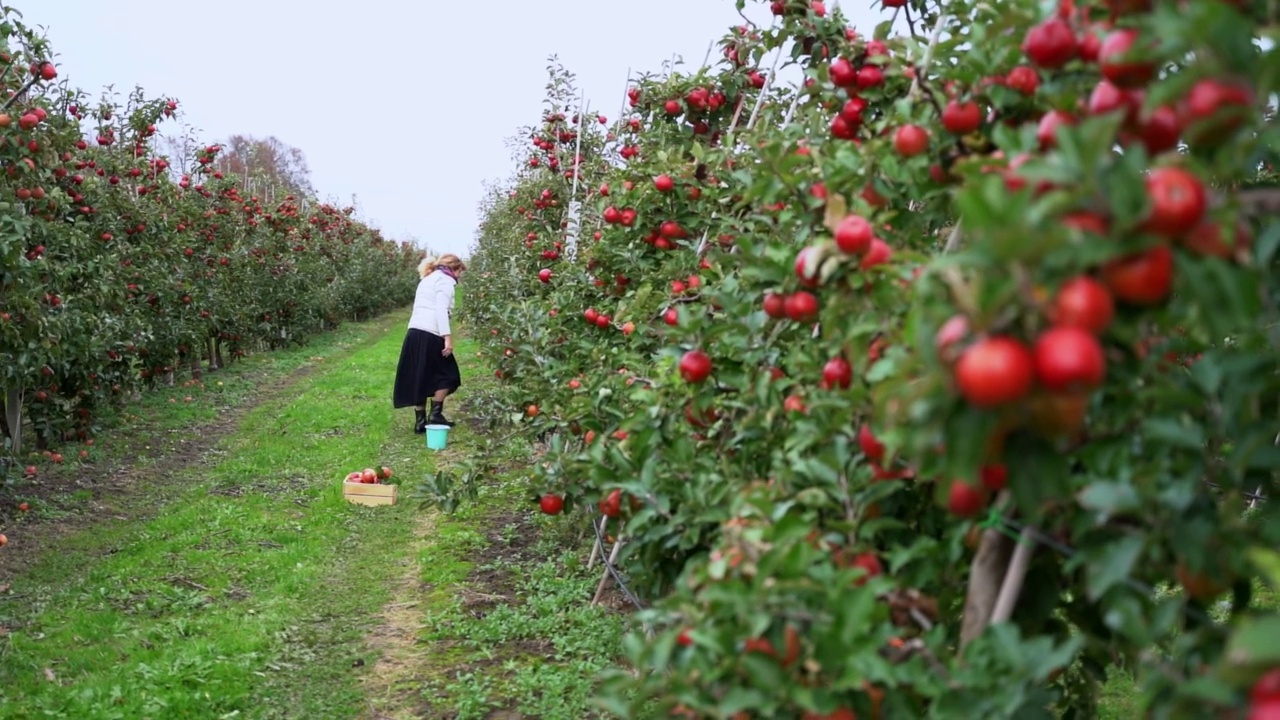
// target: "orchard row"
[[122, 264], [913, 389]]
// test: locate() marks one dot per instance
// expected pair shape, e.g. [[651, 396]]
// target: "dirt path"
[[406, 663], [490, 619], [402, 658], [400, 685]]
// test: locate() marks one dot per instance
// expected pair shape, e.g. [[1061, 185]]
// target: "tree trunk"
[[13, 416]]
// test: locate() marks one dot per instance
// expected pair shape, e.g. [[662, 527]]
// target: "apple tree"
[[941, 385], [118, 269]]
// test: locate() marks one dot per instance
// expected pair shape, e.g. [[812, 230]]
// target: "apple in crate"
[[354, 477], [369, 476], [384, 473]]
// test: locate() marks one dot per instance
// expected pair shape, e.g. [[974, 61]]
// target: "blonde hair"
[[449, 260]]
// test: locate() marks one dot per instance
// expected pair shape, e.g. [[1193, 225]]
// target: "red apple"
[[854, 235], [695, 366], [551, 504], [961, 118], [1051, 44], [910, 140], [1069, 359], [994, 371]]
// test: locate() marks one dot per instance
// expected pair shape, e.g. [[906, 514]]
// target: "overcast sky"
[[404, 104]]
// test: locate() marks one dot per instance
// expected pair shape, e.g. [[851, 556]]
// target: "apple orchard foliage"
[[115, 270], [824, 367]]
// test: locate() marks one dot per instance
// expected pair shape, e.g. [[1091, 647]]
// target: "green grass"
[[161, 423], [231, 578], [565, 643], [251, 589], [501, 616], [521, 633]]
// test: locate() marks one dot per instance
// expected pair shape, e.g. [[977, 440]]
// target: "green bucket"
[[437, 436]]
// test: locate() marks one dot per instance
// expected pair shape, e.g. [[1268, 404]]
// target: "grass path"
[[492, 620], [202, 563], [243, 591]]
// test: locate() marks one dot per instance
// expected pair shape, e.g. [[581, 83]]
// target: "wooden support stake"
[[604, 580], [791, 111], [737, 113], [575, 208], [986, 574], [768, 83], [596, 541], [1013, 578], [953, 240], [985, 577], [13, 416], [702, 244], [577, 146]]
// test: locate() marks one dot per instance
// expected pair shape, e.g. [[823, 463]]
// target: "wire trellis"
[[611, 571]]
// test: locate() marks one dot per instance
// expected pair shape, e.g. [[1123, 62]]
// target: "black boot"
[[419, 421], [437, 415]]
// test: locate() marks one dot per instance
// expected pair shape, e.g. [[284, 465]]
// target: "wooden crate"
[[369, 494]]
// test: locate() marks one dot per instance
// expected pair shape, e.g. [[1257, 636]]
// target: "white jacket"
[[432, 304]]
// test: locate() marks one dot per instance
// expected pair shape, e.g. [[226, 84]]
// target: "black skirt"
[[423, 370]]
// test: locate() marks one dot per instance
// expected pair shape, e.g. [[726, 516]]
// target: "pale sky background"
[[403, 103]]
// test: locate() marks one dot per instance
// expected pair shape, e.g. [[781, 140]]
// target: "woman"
[[427, 367]]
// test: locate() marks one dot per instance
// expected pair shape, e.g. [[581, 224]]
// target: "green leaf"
[[1038, 474], [1207, 373], [1265, 249], [883, 369], [1239, 291], [1109, 499], [1267, 561], [1125, 617], [1172, 432], [1209, 690], [1253, 648], [1045, 662], [1111, 564], [1258, 452]]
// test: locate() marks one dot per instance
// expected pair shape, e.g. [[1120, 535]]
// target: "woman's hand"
[[448, 346]]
